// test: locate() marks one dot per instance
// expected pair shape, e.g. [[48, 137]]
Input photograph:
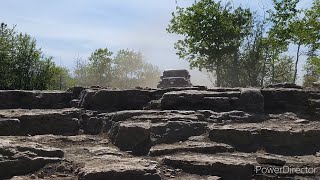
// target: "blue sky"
[[66, 29]]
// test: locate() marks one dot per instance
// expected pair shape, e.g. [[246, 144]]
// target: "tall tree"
[[211, 31]]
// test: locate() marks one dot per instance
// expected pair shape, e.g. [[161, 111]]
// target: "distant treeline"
[[24, 66]]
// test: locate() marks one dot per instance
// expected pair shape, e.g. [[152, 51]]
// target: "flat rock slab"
[[195, 100], [45, 121], [281, 136], [223, 166], [175, 131], [190, 146], [119, 168], [11, 99], [238, 165], [18, 158]]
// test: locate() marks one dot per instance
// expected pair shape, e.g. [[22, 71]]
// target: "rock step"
[[294, 138], [18, 158], [229, 168], [39, 121], [11, 99], [238, 166], [119, 168], [138, 137], [314, 95], [190, 146], [315, 103]]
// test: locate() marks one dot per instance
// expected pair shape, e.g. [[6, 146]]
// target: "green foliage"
[[127, 69], [312, 69], [23, 65], [233, 43], [211, 31]]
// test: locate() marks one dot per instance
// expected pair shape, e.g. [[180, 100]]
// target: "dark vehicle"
[[175, 78]]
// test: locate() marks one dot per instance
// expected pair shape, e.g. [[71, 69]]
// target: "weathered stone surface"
[[20, 159], [94, 123], [190, 146], [11, 99], [38, 121], [232, 116], [275, 135], [285, 100], [251, 100], [284, 85], [175, 131], [132, 136], [112, 100], [9, 127], [271, 160], [119, 168], [227, 167], [204, 100]]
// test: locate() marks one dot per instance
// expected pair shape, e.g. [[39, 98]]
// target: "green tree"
[[127, 69], [100, 69], [22, 64], [312, 69], [211, 31]]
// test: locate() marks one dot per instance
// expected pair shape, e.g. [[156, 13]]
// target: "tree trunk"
[[296, 65], [235, 81], [218, 72]]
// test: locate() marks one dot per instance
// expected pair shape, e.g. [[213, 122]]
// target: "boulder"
[[131, 136], [9, 127], [251, 100]]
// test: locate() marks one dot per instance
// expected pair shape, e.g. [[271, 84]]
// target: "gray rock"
[[251, 100], [113, 100], [190, 146], [9, 127], [36, 122], [132, 136], [23, 158], [175, 131], [119, 168], [11, 99]]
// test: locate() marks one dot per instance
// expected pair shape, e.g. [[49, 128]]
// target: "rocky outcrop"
[[34, 122], [285, 100], [273, 136], [22, 158], [11, 99]]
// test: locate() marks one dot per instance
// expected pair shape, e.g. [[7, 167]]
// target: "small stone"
[[167, 174], [33, 176], [41, 175], [61, 168]]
